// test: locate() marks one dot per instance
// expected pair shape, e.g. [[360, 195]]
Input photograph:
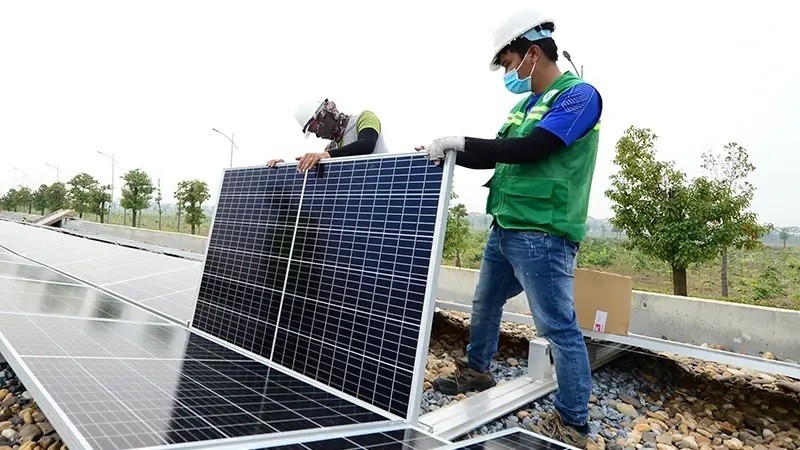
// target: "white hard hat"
[[517, 24], [307, 111]]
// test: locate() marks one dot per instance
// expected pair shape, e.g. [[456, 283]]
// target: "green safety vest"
[[552, 195]]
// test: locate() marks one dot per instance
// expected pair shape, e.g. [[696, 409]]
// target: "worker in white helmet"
[[350, 135], [543, 158]]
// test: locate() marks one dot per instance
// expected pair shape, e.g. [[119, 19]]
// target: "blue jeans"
[[542, 266]]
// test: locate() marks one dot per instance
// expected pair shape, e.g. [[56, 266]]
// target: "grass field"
[[767, 277]]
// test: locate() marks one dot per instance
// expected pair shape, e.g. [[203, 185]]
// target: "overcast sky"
[[147, 80]]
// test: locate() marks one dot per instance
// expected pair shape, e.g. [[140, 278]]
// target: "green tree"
[[737, 227], [136, 193], [100, 201], [786, 233], [40, 199], [457, 235], [57, 196], [190, 195], [9, 200], [664, 215], [25, 199], [82, 191]]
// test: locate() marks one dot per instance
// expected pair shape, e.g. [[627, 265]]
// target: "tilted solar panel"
[[353, 308], [247, 256]]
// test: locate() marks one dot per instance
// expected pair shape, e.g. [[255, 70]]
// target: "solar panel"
[[402, 439], [160, 283], [105, 382], [327, 273], [71, 300], [512, 439], [129, 385], [247, 256]]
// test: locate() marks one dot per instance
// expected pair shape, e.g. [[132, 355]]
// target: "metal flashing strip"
[[706, 354]]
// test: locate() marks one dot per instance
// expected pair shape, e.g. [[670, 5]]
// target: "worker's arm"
[[572, 115], [364, 145]]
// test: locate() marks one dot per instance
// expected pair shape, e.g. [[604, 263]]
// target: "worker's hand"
[[439, 146], [272, 162], [310, 160]]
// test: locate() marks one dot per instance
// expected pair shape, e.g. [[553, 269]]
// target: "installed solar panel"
[[128, 385], [403, 439], [160, 283], [353, 308], [513, 439], [36, 297]]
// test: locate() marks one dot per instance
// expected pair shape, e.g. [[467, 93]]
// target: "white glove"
[[439, 146]]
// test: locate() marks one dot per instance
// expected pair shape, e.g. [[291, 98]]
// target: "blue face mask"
[[514, 84]]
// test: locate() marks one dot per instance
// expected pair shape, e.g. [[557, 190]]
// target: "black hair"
[[521, 45]]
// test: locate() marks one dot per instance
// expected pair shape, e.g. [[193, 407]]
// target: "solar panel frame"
[[428, 306], [511, 439]]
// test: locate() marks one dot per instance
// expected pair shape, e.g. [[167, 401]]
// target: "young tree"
[[191, 195], [136, 193], [82, 191], [158, 200], [786, 233], [738, 227], [101, 201], [25, 199], [57, 196], [663, 214], [40, 199], [456, 236], [9, 200]]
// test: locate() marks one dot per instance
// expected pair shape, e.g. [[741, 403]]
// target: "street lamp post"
[[58, 171], [23, 175], [230, 139], [113, 161]]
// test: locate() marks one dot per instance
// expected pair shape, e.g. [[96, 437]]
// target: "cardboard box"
[[603, 301]]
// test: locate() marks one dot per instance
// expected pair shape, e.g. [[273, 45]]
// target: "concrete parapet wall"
[[180, 241], [20, 217], [744, 328]]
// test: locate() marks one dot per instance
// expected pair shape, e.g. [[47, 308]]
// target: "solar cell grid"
[[362, 238], [515, 440], [34, 297], [134, 274], [405, 439], [240, 292]]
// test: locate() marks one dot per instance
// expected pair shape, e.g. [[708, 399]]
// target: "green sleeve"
[[368, 119]]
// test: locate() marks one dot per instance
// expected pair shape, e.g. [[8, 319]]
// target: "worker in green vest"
[[543, 159]]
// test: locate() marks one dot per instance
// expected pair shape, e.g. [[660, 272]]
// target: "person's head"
[[524, 48], [321, 118]]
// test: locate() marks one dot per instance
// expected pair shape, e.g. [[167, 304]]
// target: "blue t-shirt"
[[573, 114]]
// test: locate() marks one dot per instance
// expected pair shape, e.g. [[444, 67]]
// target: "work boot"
[[554, 427], [464, 379]]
